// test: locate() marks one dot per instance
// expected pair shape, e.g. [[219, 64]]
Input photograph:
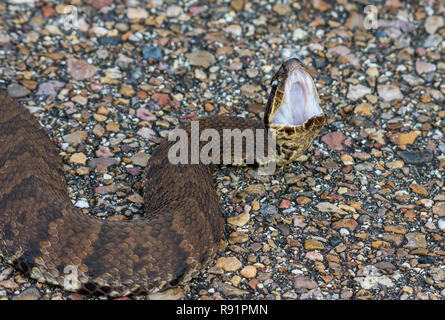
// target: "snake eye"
[[300, 101]]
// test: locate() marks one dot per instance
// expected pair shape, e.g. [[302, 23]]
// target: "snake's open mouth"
[[300, 101]]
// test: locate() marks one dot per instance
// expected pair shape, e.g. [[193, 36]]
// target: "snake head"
[[294, 98], [293, 110]]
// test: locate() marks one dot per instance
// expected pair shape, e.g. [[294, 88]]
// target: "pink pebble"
[[144, 114], [314, 256]]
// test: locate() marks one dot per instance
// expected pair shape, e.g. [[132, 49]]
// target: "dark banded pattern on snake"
[[44, 235]]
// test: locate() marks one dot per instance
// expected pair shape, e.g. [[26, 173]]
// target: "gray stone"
[[424, 67], [365, 166], [140, 159], [437, 274], [103, 162], [389, 92], [268, 210], [82, 203], [385, 265], [372, 278], [17, 91], [149, 52], [415, 240], [442, 224], [417, 157], [49, 88], [432, 41], [76, 137], [356, 92], [30, 293], [200, 58], [412, 79], [346, 293], [433, 23]]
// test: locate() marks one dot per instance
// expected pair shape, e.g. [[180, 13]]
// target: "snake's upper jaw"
[[299, 102]]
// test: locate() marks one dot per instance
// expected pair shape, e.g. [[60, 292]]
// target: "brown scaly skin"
[[45, 236]]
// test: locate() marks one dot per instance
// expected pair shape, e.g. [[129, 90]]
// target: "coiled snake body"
[[45, 236]]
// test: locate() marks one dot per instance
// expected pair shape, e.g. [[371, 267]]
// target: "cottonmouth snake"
[[45, 236]]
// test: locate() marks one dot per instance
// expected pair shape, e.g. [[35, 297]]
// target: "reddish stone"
[[79, 69], [103, 162], [104, 152], [175, 104], [145, 114], [155, 81], [48, 11], [195, 10], [284, 204], [302, 282], [349, 224], [99, 4], [393, 4], [394, 126], [162, 41], [77, 296], [334, 140], [253, 283], [162, 99], [321, 5], [142, 95], [102, 189], [133, 171], [189, 116], [146, 133], [396, 239], [96, 86], [420, 51]]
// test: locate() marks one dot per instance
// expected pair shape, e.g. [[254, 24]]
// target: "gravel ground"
[[361, 216]]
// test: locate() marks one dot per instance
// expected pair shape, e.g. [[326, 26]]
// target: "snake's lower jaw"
[[298, 117], [293, 141]]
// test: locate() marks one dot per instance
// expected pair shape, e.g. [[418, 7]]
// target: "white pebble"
[[82, 203], [299, 34]]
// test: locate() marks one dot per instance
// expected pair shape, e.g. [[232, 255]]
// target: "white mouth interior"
[[300, 102]]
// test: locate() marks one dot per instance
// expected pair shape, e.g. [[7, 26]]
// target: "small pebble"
[[17, 91], [149, 52], [417, 157], [248, 272]]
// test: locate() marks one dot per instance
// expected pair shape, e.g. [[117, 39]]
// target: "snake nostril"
[[179, 276], [175, 281], [90, 287]]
